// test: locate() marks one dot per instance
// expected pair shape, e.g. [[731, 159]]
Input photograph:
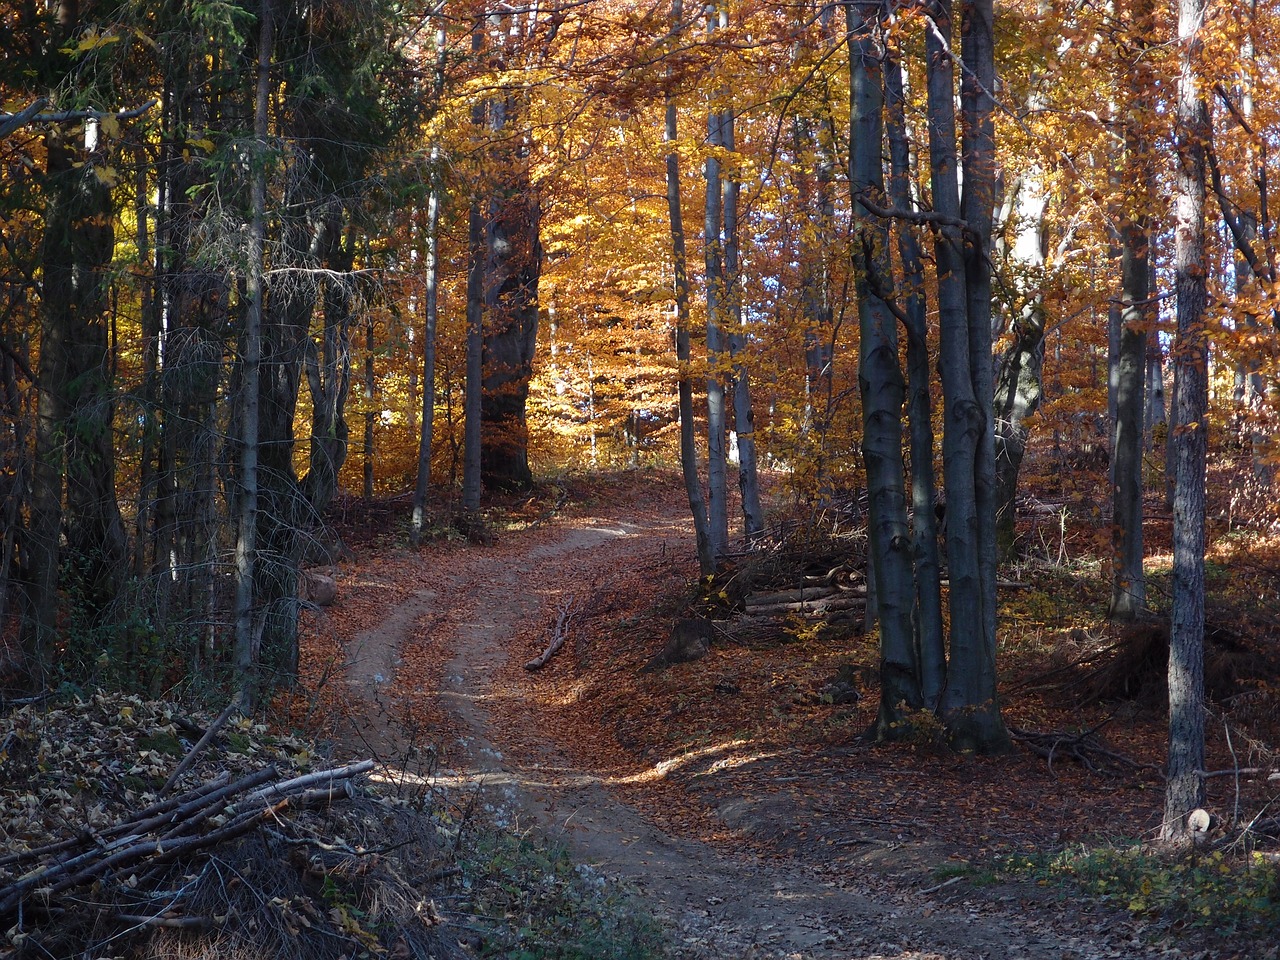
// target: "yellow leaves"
[[92, 40], [108, 176]]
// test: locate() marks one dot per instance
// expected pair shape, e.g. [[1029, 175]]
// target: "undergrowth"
[[1220, 891], [535, 903]]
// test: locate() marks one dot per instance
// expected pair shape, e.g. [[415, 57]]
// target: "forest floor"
[[743, 805]]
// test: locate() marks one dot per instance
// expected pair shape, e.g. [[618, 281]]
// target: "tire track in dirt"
[[716, 902]]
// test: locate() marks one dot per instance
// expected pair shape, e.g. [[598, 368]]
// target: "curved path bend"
[[716, 902]]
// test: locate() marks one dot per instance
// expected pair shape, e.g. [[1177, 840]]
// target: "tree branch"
[[910, 216], [9, 122]]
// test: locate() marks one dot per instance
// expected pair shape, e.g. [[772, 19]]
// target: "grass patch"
[[1219, 891], [539, 905]]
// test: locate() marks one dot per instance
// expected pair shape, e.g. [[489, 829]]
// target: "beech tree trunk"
[[1019, 370], [688, 445], [1128, 591], [512, 269], [924, 526], [1128, 584], [713, 249], [426, 436], [474, 391], [1184, 790], [970, 706], [473, 397], [880, 381]]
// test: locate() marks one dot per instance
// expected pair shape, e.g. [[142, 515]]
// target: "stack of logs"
[[811, 600]]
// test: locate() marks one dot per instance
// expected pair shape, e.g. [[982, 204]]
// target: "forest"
[[948, 269]]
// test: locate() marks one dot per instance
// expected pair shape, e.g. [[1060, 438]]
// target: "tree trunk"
[[688, 446], [970, 707], [1019, 371], [880, 380], [370, 415], [743, 414], [431, 280], [815, 286], [473, 397], [79, 242], [1128, 593], [1184, 790], [924, 527], [246, 619], [713, 248], [329, 369], [513, 267], [1128, 585]]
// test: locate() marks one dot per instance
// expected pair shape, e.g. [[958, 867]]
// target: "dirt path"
[[718, 902]]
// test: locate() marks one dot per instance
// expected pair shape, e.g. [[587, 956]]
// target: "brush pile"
[[130, 826]]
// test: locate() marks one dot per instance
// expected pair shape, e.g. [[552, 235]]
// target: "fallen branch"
[[307, 781], [1084, 748], [945, 883], [203, 742], [558, 637]]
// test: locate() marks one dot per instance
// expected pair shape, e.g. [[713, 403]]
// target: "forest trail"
[[716, 899]]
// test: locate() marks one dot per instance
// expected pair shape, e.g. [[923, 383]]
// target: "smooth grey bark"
[[474, 389], [245, 619], [924, 527], [814, 135], [1128, 439], [1154, 414], [880, 381], [713, 250], [1128, 585], [684, 354], [513, 268], [1019, 378], [743, 413], [970, 706], [426, 436], [815, 285], [473, 394], [431, 284], [1184, 786]]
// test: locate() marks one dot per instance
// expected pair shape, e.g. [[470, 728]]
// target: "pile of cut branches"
[[138, 847], [128, 822]]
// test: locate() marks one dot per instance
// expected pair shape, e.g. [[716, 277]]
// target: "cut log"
[[815, 592], [828, 604]]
